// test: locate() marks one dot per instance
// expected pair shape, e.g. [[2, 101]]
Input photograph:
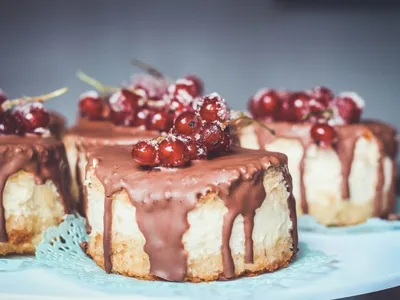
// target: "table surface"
[[366, 263]]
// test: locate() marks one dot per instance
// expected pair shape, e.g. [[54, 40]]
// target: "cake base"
[[29, 210], [128, 259]]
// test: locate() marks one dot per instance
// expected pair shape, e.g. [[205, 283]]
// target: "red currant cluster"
[[146, 103], [196, 134], [319, 106], [29, 117]]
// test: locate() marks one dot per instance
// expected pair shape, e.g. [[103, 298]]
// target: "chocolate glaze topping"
[[161, 212], [348, 135], [88, 134], [43, 157]]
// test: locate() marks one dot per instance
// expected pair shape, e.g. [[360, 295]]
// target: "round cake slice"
[[221, 218], [34, 190]]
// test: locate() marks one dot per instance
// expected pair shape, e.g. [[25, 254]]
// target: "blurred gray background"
[[235, 46]]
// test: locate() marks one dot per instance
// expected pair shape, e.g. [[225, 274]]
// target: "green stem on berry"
[[103, 89], [42, 98], [148, 68], [327, 114], [250, 121]]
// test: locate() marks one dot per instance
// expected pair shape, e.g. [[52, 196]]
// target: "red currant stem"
[[104, 89], [250, 121], [327, 113], [148, 68], [42, 98]]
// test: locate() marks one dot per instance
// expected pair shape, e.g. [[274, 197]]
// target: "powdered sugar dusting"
[[89, 94], [357, 98]]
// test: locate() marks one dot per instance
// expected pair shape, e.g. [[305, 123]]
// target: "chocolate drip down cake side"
[[189, 206], [343, 167]]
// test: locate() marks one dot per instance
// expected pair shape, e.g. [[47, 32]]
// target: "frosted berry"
[[172, 152], [161, 121], [322, 92], [188, 123], [195, 149], [184, 90], [124, 105], [154, 87], [8, 124], [145, 154], [198, 84], [323, 134], [265, 103], [300, 104], [349, 108], [91, 105], [32, 117], [213, 108], [212, 136], [226, 143], [142, 116]]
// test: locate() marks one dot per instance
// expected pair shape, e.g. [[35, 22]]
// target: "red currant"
[[32, 117], [183, 90], [322, 92], [252, 107], [266, 102], [301, 105], [123, 105], [154, 87], [198, 84], [7, 123], [349, 108], [226, 142], [91, 105], [161, 121], [188, 123], [293, 107], [323, 134], [213, 108], [212, 136], [172, 152], [145, 154], [195, 149], [141, 117]]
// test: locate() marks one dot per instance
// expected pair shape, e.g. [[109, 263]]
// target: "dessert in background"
[[343, 167], [142, 110], [189, 206], [34, 174], [57, 123]]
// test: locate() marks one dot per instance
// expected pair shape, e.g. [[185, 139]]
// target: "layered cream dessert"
[[143, 110], [189, 206], [34, 177], [343, 167]]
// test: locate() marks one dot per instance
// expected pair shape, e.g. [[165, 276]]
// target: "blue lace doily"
[[60, 249]]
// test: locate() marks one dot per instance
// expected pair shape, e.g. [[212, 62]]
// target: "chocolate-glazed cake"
[[215, 219], [189, 206], [343, 168], [34, 177]]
